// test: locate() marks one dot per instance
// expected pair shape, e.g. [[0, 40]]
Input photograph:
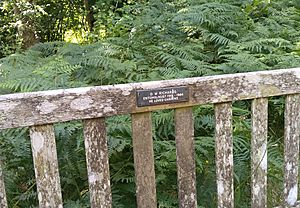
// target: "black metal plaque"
[[162, 96]]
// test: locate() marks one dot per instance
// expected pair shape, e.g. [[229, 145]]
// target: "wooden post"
[[291, 149], [3, 201], [259, 153], [97, 162], [224, 156], [144, 160], [46, 166], [185, 154]]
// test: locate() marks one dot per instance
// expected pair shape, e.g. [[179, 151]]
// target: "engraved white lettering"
[[162, 96]]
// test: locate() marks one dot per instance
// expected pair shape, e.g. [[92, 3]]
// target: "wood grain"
[[224, 155], [259, 153], [46, 166], [144, 160], [97, 162], [28, 109], [3, 200], [185, 154], [291, 149]]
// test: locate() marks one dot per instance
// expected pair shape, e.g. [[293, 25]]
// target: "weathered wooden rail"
[[39, 110]]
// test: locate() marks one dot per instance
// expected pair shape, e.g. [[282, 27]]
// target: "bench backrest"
[[39, 110]]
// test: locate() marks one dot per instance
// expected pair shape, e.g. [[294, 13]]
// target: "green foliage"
[[8, 39], [18, 169], [136, 41]]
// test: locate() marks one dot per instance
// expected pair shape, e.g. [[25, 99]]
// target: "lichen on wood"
[[97, 162], [296, 205], [224, 155], [46, 166], [143, 160], [39, 108], [291, 148], [259, 153], [28, 109], [3, 200], [185, 154]]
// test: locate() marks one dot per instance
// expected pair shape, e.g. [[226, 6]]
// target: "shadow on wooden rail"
[[39, 110]]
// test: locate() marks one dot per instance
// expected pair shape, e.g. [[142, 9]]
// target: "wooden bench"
[[39, 110]]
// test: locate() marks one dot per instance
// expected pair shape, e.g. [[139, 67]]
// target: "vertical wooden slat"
[[97, 162], [259, 153], [291, 148], [46, 166], [185, 153], [3, 201], [144, 160], [224, 156]]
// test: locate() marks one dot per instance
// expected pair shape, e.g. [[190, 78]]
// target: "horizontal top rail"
[[28, 109]]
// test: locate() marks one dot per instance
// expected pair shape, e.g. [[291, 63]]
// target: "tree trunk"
[[26, 26], [89, 14]]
